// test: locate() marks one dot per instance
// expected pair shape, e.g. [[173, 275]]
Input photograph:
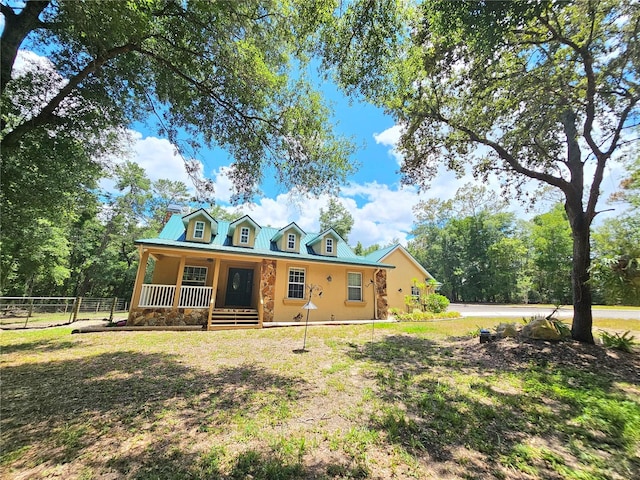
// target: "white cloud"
[[159, 158], [386, 214], [390, 138], [223, 185], [27, 61]]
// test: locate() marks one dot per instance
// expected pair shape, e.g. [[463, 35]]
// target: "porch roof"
[[173, 236]]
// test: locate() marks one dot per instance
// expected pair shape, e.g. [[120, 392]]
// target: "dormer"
[[326, 243], [243, 232], [288, 238], [200, 226]]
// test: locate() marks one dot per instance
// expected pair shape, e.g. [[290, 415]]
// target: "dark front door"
[[239, 287]]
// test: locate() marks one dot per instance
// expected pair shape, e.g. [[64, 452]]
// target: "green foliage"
[[561, 327], [436, 303], [552, 252], [359, 249], [418, 316], [336, 216], [464, 81], [470, 246], [624, 342], [616, 247], [229, 74]]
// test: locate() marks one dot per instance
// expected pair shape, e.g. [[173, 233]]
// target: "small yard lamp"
[[308, 307]]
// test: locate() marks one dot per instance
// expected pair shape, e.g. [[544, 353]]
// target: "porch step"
[[235, 317]]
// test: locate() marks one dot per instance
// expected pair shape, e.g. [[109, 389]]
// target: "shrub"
[[563, 328], [418, 316], [624, 342], [436, 303]]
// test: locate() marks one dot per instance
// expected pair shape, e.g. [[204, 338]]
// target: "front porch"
[[198, 289]]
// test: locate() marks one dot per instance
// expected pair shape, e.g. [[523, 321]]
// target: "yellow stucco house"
[[401, 281], [221, 274]]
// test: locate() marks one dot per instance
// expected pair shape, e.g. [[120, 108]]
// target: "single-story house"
[[405, 278], [220, 274]]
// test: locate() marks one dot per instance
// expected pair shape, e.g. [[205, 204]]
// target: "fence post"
[[29, 314], [76, 308], [113, 309]]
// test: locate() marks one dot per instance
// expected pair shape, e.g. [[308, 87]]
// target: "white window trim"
[[291, 238], [328, 245], [244, 233], [289, 282], [189, 275], [415, 292], [358, 287], [197, 230]]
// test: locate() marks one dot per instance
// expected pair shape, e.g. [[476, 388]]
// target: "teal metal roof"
[[379, 254], [173, 235]]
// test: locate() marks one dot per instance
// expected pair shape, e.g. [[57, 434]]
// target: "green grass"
[[421, 400]]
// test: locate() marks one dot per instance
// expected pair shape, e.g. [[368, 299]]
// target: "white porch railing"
[[195, 297], [161, 296]]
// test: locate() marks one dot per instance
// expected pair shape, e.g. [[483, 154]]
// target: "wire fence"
[[46, 311]]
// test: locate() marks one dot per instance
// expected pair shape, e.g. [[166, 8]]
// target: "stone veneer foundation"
[[162, 317]]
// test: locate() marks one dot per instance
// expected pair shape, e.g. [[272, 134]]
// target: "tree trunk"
[[16, 29], [581, 328]]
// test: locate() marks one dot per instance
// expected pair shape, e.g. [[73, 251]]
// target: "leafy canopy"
[[227, 74]]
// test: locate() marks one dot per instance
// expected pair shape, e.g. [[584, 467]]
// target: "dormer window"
[[244, 235], [199, 226], [328, 246], [291, 241], [198, 230]]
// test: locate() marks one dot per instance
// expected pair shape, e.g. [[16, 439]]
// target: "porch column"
[[176, 295], [214, 289], [142, 269], [267, 290], [382, 302]]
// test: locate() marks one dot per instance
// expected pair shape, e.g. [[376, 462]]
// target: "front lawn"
[[420, 400]]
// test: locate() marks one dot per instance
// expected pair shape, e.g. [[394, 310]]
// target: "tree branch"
[[202, 88], [16, 28], [594, 193], [507, 157], [47, 114]]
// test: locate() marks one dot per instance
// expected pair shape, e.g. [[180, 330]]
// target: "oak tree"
[[544, 90]]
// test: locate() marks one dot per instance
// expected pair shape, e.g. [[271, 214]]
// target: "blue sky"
[[382, 209]]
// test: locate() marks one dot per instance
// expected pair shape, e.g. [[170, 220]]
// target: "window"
[[198, 230], [296, 283], [244, 235], [291, 241], [194, 276], [415, 292], [354, 287], [328, 248]]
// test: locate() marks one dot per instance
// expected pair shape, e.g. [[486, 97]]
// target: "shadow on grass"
[[59, 407], [45, 345], [439, 401], [161, 462]]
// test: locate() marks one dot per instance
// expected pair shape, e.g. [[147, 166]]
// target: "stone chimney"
[[171, 209]]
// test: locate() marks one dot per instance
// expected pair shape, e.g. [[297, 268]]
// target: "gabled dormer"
[[325, 244], [287, 239], [243, 232], [200, 226]]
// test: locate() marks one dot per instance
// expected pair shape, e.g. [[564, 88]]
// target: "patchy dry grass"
[[421, 400]]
